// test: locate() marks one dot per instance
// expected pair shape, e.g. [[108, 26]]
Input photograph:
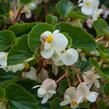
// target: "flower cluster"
[[54, 47], [73, 95], [90, 7]]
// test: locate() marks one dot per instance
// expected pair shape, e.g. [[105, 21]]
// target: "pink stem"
[[78, 77], [60, 78]]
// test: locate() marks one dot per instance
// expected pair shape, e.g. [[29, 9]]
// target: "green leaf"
[[7, 38], [84, 106], [34, 35], [101, 104], [64, 7], [2, 93], [19, 98], [55, 104], [21, 29], [51, 19], [99, 25], [106, 70], [63, 85], [102, 74], [76, 14], [85, 66], [106, 89], [26, 2], [80, 38], [106, 33], [19, 52], [5, 76]]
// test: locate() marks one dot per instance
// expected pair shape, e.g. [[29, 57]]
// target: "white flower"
[[88, 6], [32, 74], [69, 57], [55, 41], [15, 68], [96, 13], [47, 90], [91, 78], [28, 8], [71, 97], [85, 94], [3, 59]]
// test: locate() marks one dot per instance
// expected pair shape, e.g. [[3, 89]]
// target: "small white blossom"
[[71, 97], [32, 74], [85, 94], [88, 6], [55, 41], [96, 14], [69, 56], [91, 78], [47, 90]]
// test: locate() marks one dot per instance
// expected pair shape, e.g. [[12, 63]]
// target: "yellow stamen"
[[11, 12], [73, 103], [87, 3], [27, 66], [49, 39], [86, 100], [98, 16]]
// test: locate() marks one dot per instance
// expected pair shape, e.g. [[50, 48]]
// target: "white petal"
[[46, 34], [44, 100], [81, 4], [65, 102], [55, 32], [59, 41], [52, 91], [41, 91], [97, 84], [69, 57], [47, 53], [28, 15], [3, 59], [86, 11], [32, 6], [36, 86], [92, 97]]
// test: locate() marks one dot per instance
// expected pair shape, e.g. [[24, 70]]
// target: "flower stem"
[[18, 14], [77, 73], [60, 78]]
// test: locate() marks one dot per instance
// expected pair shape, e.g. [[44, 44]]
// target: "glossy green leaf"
[[19, 98], [19, 52], [34, 35], [106, 89], [101, 104], [99, 25], [26, 2], [80, 38], [21, 29], [2, 93], [106, 33], [51, 19], [64, 7], [7, 38]]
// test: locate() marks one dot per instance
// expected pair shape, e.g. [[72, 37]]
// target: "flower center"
[[87, 3], [26, 66], [73, 104], [49, 39], [86, 100], [11, 12]]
